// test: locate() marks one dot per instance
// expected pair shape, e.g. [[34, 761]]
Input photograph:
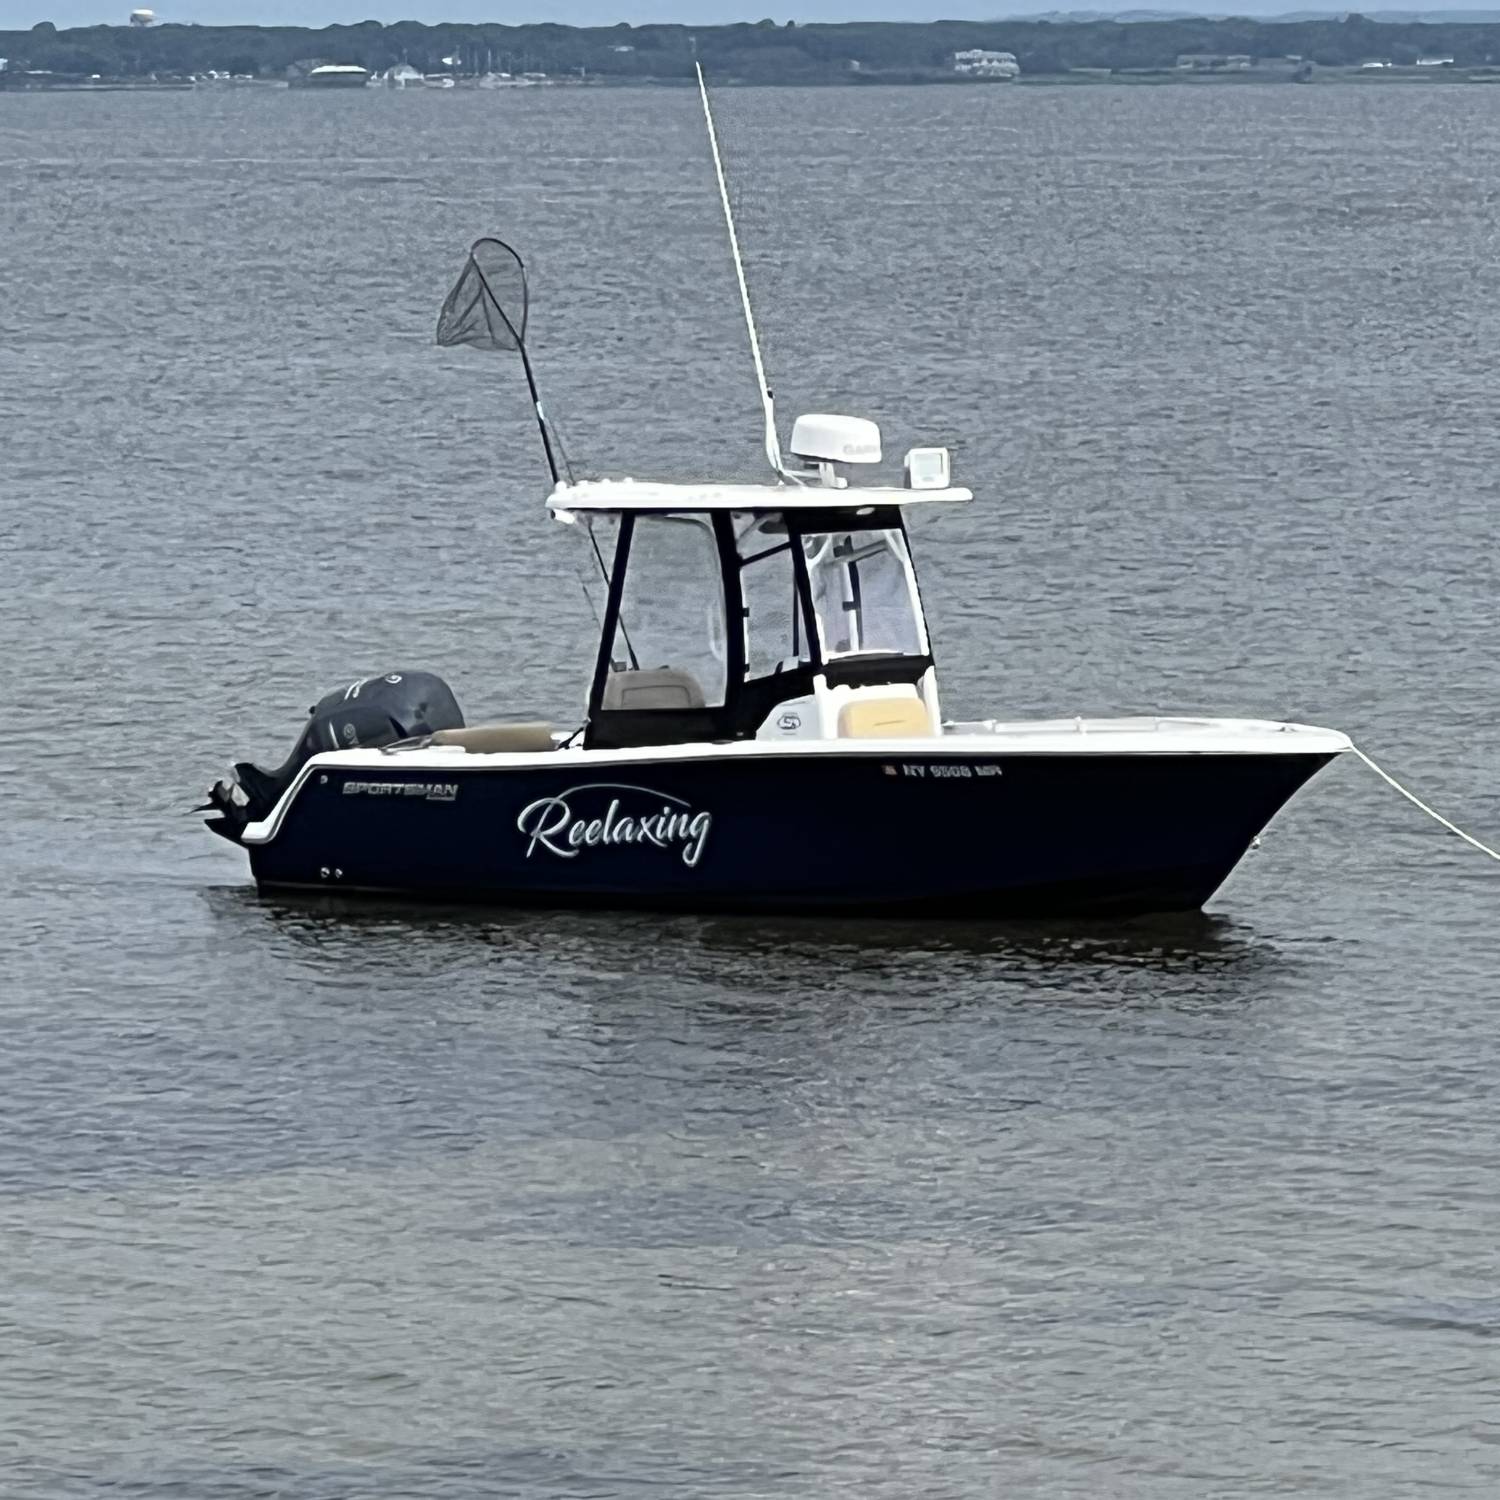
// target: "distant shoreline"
[[1176, 50], [1123, 78]]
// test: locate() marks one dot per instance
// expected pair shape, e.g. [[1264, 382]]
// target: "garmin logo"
[[428, 791], [631, 816]]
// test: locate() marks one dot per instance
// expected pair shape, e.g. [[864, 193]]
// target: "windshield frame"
[[748, 701]]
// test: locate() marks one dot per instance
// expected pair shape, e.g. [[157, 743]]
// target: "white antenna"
[[773, 443]]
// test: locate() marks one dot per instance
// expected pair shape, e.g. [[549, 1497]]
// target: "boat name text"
[[554, 824]]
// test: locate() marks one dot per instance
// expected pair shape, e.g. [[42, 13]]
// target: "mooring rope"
[[1416, 801]]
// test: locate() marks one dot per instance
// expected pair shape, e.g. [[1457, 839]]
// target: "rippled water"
[[311, 1201]]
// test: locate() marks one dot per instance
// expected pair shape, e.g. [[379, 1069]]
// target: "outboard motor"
[[365, 715]]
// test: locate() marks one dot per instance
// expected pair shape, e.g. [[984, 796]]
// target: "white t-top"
[[630, 494]]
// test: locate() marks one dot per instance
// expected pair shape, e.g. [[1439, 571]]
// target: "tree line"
[[759, 52]]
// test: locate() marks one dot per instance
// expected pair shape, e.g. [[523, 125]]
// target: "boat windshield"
[[668, 649], [864, 593], [775, 639]]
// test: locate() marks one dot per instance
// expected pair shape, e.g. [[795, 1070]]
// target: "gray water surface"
[[314, 1202]]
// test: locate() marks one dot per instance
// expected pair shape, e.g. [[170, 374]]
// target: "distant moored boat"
[[334, 76]]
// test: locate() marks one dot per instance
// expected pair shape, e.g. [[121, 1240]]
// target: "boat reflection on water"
[[739, 962]]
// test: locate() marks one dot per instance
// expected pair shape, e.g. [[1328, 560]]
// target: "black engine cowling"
[[365, 715]]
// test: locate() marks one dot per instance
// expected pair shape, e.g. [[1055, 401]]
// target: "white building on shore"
[[978, 63]]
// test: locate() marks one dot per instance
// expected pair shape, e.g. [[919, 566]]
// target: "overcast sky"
[[15, 14]]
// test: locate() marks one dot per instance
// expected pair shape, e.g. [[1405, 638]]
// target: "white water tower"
[[143, 18]]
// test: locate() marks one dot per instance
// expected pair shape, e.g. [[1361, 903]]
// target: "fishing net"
[[487, 307]]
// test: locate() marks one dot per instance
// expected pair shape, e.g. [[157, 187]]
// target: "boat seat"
[[490, 739], [885, 719], [652, 687]]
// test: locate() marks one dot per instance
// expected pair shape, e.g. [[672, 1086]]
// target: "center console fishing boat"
[[764, 729]]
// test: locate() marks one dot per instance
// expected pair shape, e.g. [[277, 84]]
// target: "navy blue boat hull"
[[913, 834]]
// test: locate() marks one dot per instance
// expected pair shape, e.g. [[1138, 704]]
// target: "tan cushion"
[[490, 739], [884, 719], [651, 687]]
